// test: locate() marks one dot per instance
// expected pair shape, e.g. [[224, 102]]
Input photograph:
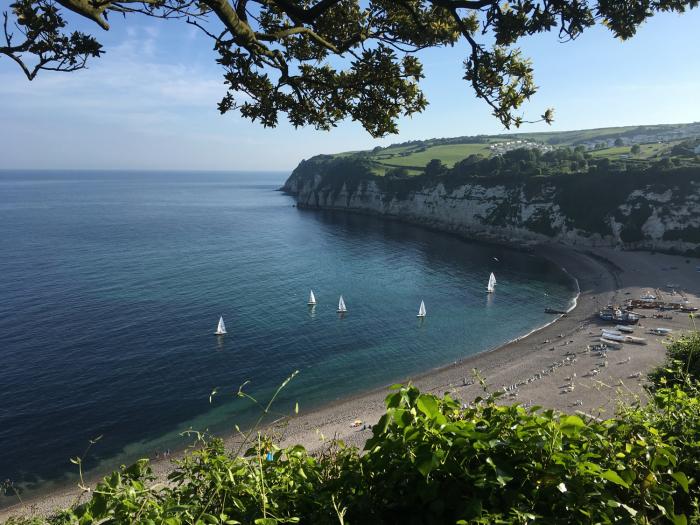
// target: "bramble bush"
[[430, 460]]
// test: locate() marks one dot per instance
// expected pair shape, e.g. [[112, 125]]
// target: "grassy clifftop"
[[655, 143]]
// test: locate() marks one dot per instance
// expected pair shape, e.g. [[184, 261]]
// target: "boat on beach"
[[221, 327], [613, 336], [612, 344], [660, 331], [491, 286], [618, 316], [341, 306], [421, 310], [312, 299], [623, 328]]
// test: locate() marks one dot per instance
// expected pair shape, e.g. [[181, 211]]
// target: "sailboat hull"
[[311, 304], [219, 333]]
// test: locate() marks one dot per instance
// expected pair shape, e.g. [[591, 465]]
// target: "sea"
[[112, 284]]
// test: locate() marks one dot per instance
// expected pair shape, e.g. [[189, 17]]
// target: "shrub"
[[432, 460]]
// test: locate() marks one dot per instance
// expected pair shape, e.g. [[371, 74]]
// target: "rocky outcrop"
[[638, 212]]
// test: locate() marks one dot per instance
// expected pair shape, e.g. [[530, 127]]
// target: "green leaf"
[[426, 460], [572, 421], [265, 521], [428, 405], [679, 519], [681, 479], [611, 475]]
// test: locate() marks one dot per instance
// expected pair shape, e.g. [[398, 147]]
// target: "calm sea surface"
[[111, 285]]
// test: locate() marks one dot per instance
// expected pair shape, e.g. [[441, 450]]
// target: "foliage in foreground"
[[683, 362], [432, 461]]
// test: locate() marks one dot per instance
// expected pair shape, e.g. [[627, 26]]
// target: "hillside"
[[655, 143], [637, 188]]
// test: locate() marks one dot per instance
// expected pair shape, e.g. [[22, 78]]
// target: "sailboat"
[[421, 310], [341, 306], [312, 299], [221, 327], [491, 287]]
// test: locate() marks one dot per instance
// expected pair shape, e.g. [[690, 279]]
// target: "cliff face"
[[637, 212]]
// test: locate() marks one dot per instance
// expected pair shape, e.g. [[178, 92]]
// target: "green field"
[[611, 152], [646, 151], [448, 154], [570, 137]]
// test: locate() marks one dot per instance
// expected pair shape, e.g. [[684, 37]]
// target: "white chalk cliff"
[[653, 216]]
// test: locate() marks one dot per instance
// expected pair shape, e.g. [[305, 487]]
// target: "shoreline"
[[599, 278]]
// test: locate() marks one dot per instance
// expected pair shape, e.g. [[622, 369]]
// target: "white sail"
[[492, 283], [312, 298], [421, 310], [341, 305], [221, 327]]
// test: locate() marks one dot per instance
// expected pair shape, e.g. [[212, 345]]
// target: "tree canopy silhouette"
[[321, 61]]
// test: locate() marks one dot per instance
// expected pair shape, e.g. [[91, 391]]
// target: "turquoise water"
[[112, 284]]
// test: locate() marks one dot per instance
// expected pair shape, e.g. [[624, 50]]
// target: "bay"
[[111, 285]]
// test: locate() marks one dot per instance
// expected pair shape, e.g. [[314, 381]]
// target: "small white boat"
[[421, 310], [491, 286], [610, 343], [635, 340], [341, 306], [221, 327], [611, 332], [312, 299], [660, 331], [623, 328], [613, 337]]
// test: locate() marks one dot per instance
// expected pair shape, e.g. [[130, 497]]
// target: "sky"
[[150, 101]]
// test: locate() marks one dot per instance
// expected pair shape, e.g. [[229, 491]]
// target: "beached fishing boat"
[[221, 327], [421, 310], [618, 316], [610, 343], [613, 336], [312, 299], [491, 286], [623, 328], [635, 340], [341, 306], [660, 331]]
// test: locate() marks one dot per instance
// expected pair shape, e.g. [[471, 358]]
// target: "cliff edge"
[[646, 208]]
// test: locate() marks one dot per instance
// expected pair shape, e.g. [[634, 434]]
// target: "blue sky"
[[150, 101]]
